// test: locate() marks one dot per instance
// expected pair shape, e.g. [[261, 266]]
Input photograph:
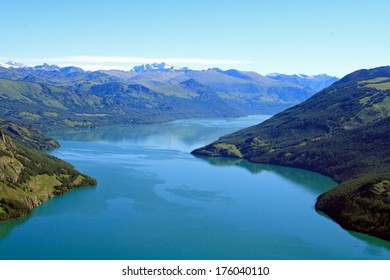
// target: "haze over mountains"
[[50, 96]]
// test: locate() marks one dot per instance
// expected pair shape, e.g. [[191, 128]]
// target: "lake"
[[154, 200]]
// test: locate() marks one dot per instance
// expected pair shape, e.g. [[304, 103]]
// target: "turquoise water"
[[154, 200]]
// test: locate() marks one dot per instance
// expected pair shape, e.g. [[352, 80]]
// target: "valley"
[[340, 131]]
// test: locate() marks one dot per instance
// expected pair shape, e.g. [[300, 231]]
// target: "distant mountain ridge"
[[315, 82], [50, 96], [156, 66], [343, 132], [13, 64]]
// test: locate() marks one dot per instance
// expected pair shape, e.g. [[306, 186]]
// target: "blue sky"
[[309, 37]]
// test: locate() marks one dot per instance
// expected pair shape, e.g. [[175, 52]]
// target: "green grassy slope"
[[45, 106], [343, 132], [51, 107], [29, 177]]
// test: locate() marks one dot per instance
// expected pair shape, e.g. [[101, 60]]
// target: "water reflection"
[[312, 182], [7, 227], [189, 132], [371, 240], [376, 243]]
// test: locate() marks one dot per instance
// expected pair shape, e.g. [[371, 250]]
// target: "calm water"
[[154, 200]]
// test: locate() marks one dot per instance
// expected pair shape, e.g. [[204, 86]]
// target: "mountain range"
[[49, 96], [343, 132]]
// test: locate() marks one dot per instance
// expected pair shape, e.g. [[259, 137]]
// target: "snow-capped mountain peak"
[[43, 67], [271, 75], [47, 67], [155, 66], [13, 64]]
